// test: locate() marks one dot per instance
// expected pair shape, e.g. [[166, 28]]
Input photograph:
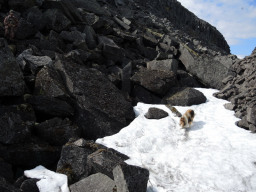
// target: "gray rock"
[[73, 161], [7, 187], [129, 178], [30, 154], [158, 82], [211, 71], [56, 20], [110, 49], [121, 23], [6, 171], [49, 83], [25, 29], [243, 123], [13, 129], [186, 80], [252, 128], [75, 37], [101, 109], [126, 78], [30, 185], [143, 95], [11, 77], [30, 63], [90, 37], [56, 131], [251, 117], [163, 65], [184, 97], [155, 113], [95, 182], [229, 106], [104, 161]]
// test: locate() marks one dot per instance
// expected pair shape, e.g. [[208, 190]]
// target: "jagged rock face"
[[240, 90], [210, 70], [187, 21]]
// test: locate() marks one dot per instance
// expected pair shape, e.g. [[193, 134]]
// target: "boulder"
[[140, 94], [104, 161], [25, 29], [49, 83], [30, 154], [163, 65], [11, 77], [130, 178], [101, 109], [35, 17], [95, 182], [31, 64], [158, 82], [155, 113], [56, 20], [75, 37], [6, 170], [91, 37], [50, 106], [7, 187], [29, 185], [186, 80], [110, 49], [251, 111], [184, 97], [73, 160], [208, 69], [13, 129], [126, 78], [56, 131]]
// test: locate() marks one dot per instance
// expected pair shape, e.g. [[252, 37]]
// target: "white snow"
[[214, 155], [49, 180]]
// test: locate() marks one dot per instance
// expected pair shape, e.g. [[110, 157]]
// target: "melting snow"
[[49, 180], [214, 155]]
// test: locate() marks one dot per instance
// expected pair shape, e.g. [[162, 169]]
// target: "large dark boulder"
[[11, 77], [163, 65], [6, 170], [31, 64], [25, 29], [7, 187], [210, 70], [155, 113], [49, 83], [73, 160], [184, 97], [95, 182], [30, 154], [13, 129], [158, 82], [140, 94], [56, 20], [104, 161], [110, 49], [101, 108], [57, 131], [50, 106], [130, 178]]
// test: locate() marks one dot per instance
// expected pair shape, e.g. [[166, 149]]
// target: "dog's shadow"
[[197, 125]]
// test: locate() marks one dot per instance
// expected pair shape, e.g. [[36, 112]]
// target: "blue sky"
[[235, 19]]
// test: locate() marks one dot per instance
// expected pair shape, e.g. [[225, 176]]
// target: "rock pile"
[[76, 68], [240, 90]]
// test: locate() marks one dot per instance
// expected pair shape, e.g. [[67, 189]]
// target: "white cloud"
[[235, 19]]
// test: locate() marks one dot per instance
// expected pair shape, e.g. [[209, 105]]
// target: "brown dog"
[[187, 119]]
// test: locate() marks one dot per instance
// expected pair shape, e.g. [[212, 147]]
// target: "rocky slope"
[[240, 90], [76, 68]]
